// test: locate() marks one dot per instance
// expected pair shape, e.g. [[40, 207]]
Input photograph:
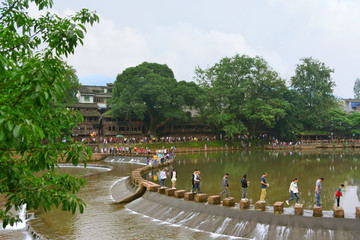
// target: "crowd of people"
[[293, 189]]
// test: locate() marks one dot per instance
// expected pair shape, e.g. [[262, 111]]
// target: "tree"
[[312, 80], [338, 120], [150, 92], [32, 79], [244, 95], [288, 127], [355, 122], [357, 89], [71, 86]]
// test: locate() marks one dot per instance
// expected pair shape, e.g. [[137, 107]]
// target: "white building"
[[95, 94]]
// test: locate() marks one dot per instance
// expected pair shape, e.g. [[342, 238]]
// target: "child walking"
[[339, 194]]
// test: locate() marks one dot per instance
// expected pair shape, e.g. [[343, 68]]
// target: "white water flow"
[[222, 228], [261, 231], [133, 160], [189, 217], [282, 233], [22, 216], [239, 228]]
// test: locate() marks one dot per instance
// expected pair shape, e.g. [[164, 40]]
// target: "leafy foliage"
[[150, 92], [244, 95], [71, 86], [312, 80], [32, 80]]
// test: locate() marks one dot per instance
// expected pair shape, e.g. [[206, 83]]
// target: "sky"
[[185, 34]]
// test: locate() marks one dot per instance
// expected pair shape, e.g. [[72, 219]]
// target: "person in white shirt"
[[293, 191], [162, 177], [173, 177], [196, 182]]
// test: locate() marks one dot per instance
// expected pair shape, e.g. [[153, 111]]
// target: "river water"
[[103, 219]]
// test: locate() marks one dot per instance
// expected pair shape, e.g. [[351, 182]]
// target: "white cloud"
[[281, 31]]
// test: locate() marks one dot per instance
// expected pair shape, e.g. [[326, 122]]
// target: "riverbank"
[[227, 145]]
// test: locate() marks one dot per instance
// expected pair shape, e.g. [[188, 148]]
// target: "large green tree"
[[150, 92], [32, 80], [312, 80], [244, 95]]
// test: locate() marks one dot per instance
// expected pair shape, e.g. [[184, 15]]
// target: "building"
[[98, 119], [95, 94], [350, 105]]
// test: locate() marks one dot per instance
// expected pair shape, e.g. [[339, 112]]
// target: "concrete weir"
[[230, 221], [242, 223]]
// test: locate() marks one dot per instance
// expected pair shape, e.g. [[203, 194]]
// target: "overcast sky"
[[185, 34]]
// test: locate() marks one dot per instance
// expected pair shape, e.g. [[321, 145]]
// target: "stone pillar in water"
[[338, 212], [317, 211], [299, 209], [169, 191], [229, 202], [279, 207], [260, 206], [189, 196], [201, 197], [154, 188], [214, 200], [357, 212], [180, 193], [162, 190], [245, 203]]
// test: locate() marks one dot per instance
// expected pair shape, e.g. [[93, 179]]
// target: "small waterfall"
[[282, 232], [172, 220], [23, 217], [124, 159], [189, 217], [223, 226], [261, 231], [239, 228]]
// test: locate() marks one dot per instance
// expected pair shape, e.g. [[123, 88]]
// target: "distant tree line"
[[238, 95]]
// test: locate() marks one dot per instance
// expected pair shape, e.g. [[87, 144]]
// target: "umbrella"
[[119, 135]]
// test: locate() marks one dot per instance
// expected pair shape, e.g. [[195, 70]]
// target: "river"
[[102, 219]]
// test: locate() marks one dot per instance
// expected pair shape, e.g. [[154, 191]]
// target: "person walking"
[[318, 188], [197, 180], [339, 194], [264, 185], [173, 177], [244, 185], [225, 185], [162, 177], [192, 178], [293, 189]]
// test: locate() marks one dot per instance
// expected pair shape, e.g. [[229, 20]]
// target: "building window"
[[109, 128], [86, 98]]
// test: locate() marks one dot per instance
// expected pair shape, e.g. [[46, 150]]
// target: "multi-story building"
[[95, 94]]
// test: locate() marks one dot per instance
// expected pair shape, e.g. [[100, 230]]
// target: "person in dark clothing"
[[225, 185], [244, 185]]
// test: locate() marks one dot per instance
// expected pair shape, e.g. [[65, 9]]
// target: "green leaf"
[[16, 130], [40, 131]]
